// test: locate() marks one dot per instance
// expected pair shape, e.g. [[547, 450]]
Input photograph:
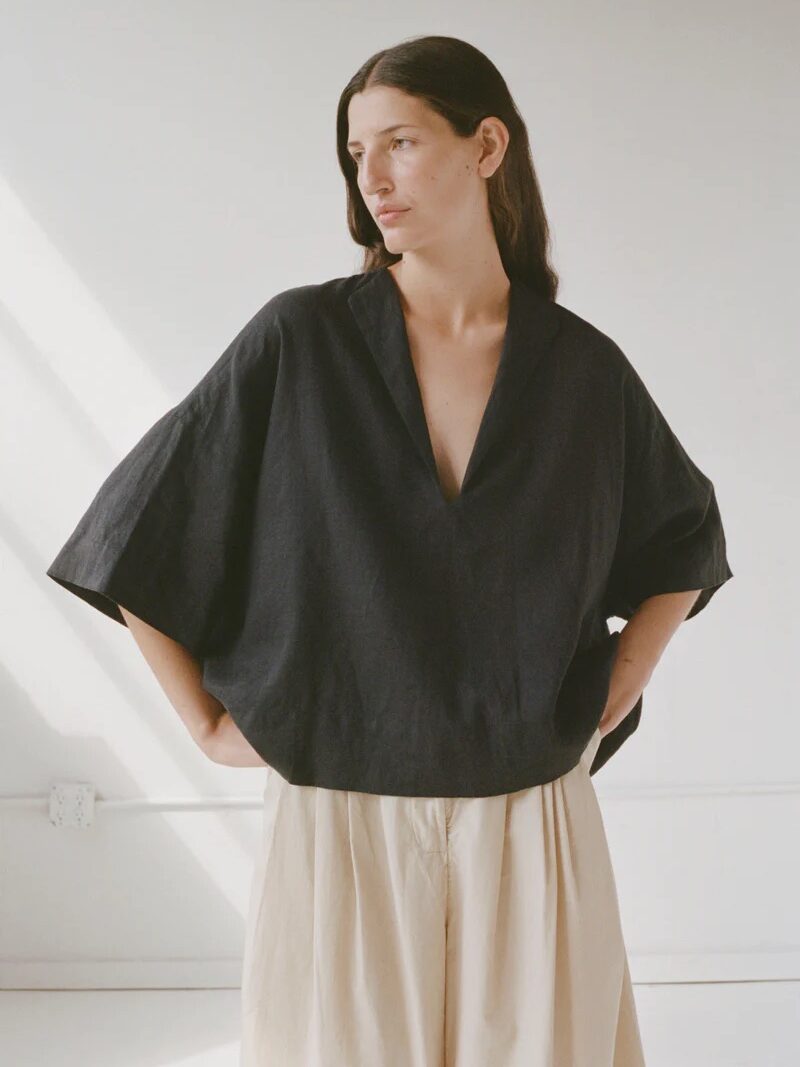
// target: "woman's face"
[[419, 165]]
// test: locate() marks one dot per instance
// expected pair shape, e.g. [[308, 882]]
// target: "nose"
[[371, 178]]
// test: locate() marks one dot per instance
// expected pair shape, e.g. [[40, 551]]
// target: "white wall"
[[165, 169]]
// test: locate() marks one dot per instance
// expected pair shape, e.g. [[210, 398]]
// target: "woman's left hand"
[[614, 714]]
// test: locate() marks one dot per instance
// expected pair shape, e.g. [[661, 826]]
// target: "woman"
[[375, 549]]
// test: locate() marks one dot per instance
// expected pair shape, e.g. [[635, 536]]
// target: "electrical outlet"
[[72, 804]]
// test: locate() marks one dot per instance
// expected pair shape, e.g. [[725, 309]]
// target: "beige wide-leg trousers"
[[394, 931]]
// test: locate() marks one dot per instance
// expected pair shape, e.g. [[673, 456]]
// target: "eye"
[[356, 156]]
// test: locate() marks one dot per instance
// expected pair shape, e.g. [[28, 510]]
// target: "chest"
[[455, 380]]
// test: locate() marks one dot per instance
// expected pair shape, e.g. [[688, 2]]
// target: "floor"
[[736, 1024]]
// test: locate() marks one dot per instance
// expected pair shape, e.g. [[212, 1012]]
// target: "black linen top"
[[286, 524]]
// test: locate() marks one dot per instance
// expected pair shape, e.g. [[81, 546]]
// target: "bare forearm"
[[641, 644], [227, 745], [179, 675]]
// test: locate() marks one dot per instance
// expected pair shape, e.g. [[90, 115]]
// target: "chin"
[[396, 247]]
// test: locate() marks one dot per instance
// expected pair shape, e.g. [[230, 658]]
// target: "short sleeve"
[[166, 534], [671, 538]]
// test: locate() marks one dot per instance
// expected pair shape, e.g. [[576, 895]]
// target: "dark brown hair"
[[463, 85]]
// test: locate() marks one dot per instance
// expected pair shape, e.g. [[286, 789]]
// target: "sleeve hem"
[[707, 584], [100, 591]]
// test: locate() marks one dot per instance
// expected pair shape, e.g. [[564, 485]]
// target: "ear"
[[494, 138]]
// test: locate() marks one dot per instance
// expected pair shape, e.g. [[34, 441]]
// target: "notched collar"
[[532, 324]]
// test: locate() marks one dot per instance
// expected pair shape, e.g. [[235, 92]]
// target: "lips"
[[387, 214]]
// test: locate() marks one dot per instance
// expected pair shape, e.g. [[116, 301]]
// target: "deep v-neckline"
[[499, 374], [531, 323]]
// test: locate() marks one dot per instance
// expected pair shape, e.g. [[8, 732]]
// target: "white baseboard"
[[120, 974], [663, 967], [646, 969]]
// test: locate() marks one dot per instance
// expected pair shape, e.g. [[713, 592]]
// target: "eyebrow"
[[397, 126]]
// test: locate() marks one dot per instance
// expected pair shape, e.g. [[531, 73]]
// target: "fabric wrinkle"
[[448, 931], [251, 522]]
